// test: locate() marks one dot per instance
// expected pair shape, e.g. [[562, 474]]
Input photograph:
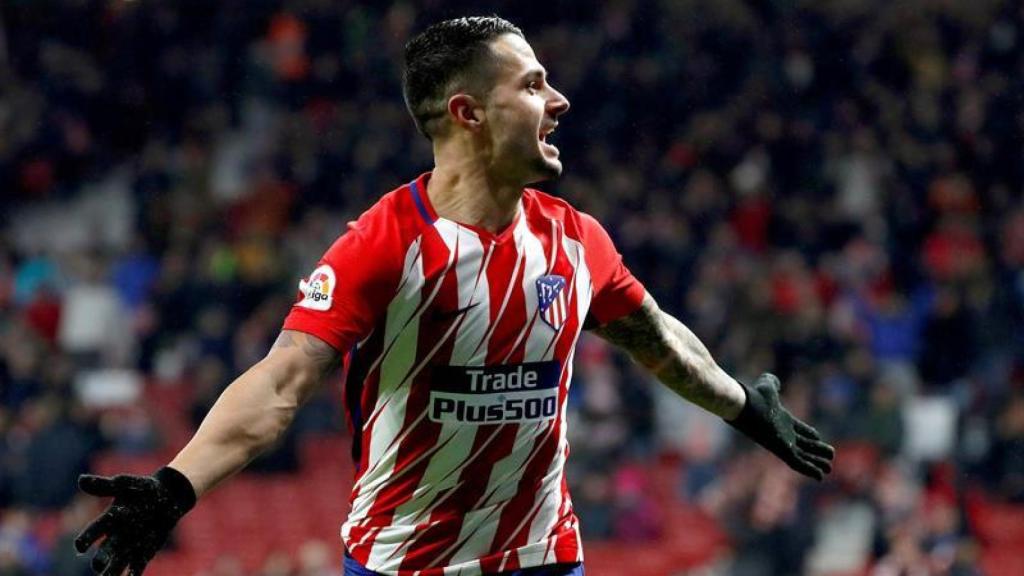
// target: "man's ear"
[[466, 111]]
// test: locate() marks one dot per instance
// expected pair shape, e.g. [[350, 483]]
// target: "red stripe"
[[545, 446], [514, 317], [491, 564], [513, 562], [563, 349], [371, 387], [492, 442], [434, 533], [408, 471], [566, 543]]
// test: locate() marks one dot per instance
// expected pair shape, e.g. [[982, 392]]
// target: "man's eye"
[[533, 86]]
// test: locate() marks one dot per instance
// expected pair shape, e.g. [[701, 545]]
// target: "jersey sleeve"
[[348, 291], [616, 291]]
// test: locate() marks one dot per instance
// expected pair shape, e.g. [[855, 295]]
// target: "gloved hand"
[[765, 421], [139, 520]]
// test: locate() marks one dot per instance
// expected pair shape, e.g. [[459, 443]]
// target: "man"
[[457, 299]]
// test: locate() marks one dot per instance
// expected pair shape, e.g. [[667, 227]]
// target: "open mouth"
[[544, 133]]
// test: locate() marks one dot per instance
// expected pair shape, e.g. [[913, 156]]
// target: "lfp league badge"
[[551, 299]]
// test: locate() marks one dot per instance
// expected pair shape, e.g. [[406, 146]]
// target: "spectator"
[[21, 554], [51, 453]]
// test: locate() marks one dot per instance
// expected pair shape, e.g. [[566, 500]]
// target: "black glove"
[[768, 423], [139, 520]]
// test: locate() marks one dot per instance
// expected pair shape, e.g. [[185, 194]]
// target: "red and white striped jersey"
[[460, 348]]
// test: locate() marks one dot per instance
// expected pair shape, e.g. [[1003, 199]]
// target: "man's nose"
[[559, 104]]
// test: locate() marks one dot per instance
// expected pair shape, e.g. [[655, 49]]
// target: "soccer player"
[[457, 301]]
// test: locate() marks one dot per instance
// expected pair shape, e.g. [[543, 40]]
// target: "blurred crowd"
[[833, 191]]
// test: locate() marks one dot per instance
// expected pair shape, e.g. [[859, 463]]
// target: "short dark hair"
[[448, 56]]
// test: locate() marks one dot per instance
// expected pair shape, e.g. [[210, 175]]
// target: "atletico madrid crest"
[[554, 306]]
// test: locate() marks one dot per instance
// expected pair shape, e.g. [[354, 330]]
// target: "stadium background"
[[830, 190]]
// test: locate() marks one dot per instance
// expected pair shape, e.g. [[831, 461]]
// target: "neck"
[[462, 189]]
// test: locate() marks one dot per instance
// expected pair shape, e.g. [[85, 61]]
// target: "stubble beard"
[[547, 170], [542, 168], [532, 165]]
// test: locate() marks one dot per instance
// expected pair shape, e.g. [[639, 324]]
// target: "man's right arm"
[[247, 418], [255, 409]]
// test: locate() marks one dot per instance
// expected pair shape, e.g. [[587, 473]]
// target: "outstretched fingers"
[[805, 429], [822, 464], [804, 467], [815, 447], [93, 532], [102, 486], [110, 559]]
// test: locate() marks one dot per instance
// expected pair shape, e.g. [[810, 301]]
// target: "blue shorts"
[[353, 568]]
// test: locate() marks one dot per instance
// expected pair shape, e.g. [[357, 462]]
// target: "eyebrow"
[[534, 73]]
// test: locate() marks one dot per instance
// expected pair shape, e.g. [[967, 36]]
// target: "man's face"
[[521, 110]]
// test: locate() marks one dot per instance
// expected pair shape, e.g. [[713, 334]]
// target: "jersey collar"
[[418, 190]]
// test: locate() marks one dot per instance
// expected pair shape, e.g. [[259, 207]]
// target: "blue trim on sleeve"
[[414, 189]]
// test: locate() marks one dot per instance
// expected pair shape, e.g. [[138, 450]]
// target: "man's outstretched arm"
[[247, 418], [674, 354], [255, 409]]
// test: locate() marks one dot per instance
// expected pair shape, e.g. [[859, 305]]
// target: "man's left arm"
[[674, 354]]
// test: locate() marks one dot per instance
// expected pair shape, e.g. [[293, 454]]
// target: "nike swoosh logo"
[[446, 314]]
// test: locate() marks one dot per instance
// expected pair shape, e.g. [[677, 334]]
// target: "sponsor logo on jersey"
[[495, 394], [318, 290], [554, 306]]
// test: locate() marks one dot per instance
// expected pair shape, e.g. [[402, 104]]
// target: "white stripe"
[[391, 451], [528, 244], [380, 470], [551, 488], [584, 284], [454, 441], [480, 525], [550, 491], [401, 328], [549, 558], [508, 295], [394, 375], [471, 568]]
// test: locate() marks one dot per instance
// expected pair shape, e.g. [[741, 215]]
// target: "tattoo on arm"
[[674, 354], [322, 355], [641, 333]]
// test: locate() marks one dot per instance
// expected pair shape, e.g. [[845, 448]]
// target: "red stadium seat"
[[1004, 560], [110, 463], [996, 523]]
